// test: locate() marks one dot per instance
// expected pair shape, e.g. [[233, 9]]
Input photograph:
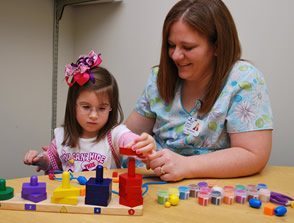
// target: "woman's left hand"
[[169, 166]]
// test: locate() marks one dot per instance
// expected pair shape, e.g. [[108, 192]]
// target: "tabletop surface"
[[277, 178]]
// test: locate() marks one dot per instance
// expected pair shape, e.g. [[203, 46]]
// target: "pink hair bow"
[[80, 71]]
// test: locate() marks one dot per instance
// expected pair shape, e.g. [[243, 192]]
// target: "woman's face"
[[192, 53]]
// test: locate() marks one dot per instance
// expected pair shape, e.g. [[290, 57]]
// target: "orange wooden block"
[[269, 209], [83, 191]]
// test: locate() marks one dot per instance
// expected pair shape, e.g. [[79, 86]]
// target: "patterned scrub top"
[[242, 106]]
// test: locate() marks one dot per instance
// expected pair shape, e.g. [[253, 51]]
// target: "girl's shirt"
[[242, 106], [89, 153]]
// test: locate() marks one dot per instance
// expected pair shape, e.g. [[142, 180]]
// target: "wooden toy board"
[[114, 208]]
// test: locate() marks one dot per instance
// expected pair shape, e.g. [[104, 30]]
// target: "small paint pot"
[[261, 186], [229, 188], [251, 187], [173, 190], [194, 189], [162, 196], [202, 184], [184, 192], [252, 194], [216, 197], [240, 187], [203, 198], [241, 196], [229, 198], [264, 195], [205, 190]]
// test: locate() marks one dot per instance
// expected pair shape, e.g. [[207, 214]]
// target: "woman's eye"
[[86, 107], [187, 48], [171, 46]]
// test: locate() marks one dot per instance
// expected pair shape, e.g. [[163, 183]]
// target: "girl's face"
[[92, 112], [191, 52]]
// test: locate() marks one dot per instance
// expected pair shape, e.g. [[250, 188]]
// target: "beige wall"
[[128, 36], [25, 84]]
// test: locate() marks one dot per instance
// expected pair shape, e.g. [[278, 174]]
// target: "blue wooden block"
[[98, 190]]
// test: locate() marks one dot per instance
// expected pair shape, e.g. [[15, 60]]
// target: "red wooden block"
[[124, 179]]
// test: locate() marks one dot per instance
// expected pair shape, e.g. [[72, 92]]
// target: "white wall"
[[25, 84], [128, 34], [266, 32]]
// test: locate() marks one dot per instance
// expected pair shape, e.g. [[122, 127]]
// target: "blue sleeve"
[[143, 105], [250, 108]]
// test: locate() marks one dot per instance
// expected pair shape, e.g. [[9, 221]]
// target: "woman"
[[201, 80]]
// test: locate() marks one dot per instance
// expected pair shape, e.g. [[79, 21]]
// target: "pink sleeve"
[[126, 138], [54, 161]]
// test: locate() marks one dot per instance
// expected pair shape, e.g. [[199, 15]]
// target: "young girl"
[[92, 132]]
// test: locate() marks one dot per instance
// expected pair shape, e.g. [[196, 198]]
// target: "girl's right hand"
[[144, 145], [35, 158]]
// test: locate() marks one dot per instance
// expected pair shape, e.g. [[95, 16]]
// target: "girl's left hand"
[[169, 166]]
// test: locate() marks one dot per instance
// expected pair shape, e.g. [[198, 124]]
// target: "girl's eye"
[[102, 109], [86, 107]]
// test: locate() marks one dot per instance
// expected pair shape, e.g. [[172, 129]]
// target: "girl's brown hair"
[[212, 19], [104, 83]]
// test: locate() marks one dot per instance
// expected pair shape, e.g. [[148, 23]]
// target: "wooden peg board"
[[114, 208]]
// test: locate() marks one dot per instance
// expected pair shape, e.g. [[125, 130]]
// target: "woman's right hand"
[[35, 158], [168, 165]]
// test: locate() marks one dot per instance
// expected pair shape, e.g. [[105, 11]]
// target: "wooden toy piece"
[[280, 210], [83, 192], [115, 178], [34, 191], [65, 194], [255, 203], [127, 152], [174, 199], [269, 209], [99, 189], [62, 205], [5, 192], [130, 186], [167, 204]]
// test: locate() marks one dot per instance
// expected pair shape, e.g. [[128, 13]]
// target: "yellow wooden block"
[[65, 200], [60, 192], [66, 190]]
